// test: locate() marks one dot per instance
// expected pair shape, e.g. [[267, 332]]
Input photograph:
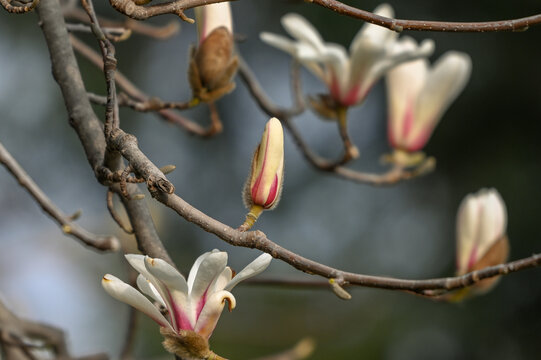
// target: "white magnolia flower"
[[372, 52], [481, 224], [194, 304], [419, 95]]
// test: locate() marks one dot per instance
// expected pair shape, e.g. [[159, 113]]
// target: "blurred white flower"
[[194, 304], [373, 51], [481, 222], [419, 95]]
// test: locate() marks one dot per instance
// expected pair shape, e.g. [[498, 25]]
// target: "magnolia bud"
[[264, 185], [213, 64], [481, 235]]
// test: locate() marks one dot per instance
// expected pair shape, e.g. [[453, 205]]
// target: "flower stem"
[[251, 217], [351, 151]]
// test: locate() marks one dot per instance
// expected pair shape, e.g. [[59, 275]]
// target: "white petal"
[[166, 273], [444, 83], [222, 280], [404, 83], [466, 230], [280, 42], [298, 27], [125, 293], [209, 268], [375, 33], [493, 220], [252, 269], [176, 291], [210, 17], [211, 312], [195, 267], [148, 289]]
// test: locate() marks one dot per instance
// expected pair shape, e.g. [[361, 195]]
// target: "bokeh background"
[[488, 138]]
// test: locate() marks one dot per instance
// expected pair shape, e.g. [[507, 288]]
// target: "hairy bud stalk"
[[213, 63], [264, 185]]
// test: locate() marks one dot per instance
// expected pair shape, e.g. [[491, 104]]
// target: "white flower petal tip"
[[256, 267], [348, 77], [481, 234], [419, 95]]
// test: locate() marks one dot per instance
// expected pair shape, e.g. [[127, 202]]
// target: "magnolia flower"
[[373, 51], [419, 95], [194, 305], [213, 64], [264, 185], [481, 234]]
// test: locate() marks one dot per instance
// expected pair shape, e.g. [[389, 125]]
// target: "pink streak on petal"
[[473, 258], [407, 123], [256, 196], [201, 304], [334, 88], [351, 97], [420, 141], [272, 192], [181, 320]]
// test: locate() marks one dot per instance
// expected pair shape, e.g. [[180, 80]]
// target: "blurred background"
[[488, 138]]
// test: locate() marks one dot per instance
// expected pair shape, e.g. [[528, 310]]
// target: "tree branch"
[[86, 124], [399, 25], [68, 226]]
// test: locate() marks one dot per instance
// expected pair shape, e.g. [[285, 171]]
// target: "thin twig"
[[114, 215], [99, 242], [399, 25], [113, 34], [20, 331], [134, 92], [19, 9], [157, 32]]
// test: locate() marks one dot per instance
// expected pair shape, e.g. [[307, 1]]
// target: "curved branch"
[[399, 25], [258, 240], [68, 226]]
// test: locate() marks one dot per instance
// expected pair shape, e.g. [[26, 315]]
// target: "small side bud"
[[167, 169], [339, 290], [263, 187]]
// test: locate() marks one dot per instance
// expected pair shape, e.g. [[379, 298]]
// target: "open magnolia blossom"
[[213, 63], [419, 95], [481, 234], [193, 305], [373, 51]]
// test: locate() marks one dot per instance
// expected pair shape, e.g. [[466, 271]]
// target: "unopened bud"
[[481, 239], [213, 64], [264, 185]]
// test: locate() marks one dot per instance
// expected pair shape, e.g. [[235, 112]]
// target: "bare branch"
[[68, 226], [157, 32], [399, 25], [19, 9], [86, 124], [15, 333], [303, 349], [137, 94]]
